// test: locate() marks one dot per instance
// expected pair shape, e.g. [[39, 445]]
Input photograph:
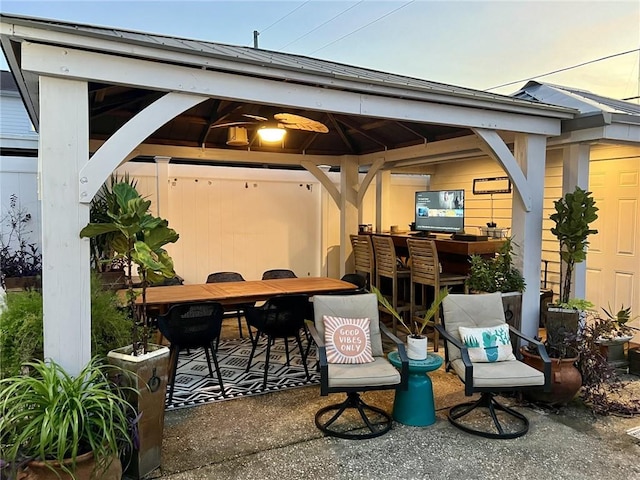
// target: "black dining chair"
[[278, 273], [282, 316], [192, 325], [237, 309], [357, 279]]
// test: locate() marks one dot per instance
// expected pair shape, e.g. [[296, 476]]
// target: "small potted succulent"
[[613, 332], [416, 339]]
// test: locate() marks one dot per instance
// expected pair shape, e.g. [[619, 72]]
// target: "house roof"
[[582, 100], [111, 106]]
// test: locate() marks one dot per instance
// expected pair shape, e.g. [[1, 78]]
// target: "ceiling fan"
[[268, 130]]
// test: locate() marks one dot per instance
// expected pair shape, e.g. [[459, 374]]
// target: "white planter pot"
[[416, 348]]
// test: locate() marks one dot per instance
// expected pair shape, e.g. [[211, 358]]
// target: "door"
[[613, 263]]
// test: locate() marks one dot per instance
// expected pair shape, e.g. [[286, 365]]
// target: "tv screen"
[[440, 211]]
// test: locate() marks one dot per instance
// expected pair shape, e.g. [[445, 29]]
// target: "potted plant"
[[416, 340], [138, 238], [20, 260], [572, 218], [613, 333], [55, 426], [499, 274]]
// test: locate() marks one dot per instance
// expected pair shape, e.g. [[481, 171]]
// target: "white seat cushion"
[[378, 372], [512, 373]]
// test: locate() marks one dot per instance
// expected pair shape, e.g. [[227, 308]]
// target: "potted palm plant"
[[55, 426], [417, 342], [138, 238]]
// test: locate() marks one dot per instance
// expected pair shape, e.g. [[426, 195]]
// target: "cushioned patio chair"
[[340, 370], [479, 350]]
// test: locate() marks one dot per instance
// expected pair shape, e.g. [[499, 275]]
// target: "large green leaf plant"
[[137, 237], [574, 213]]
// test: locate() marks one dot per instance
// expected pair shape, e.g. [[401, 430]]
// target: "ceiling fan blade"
[[231, 124], [255, 117], [298, 122]]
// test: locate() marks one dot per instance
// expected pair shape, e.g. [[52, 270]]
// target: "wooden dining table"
[[230, 293]]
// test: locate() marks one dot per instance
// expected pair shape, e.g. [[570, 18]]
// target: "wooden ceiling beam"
[[341, 133], [356, 128]]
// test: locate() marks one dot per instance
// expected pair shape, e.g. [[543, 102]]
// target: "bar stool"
[[388, 266], [425, 271], [363, 255]]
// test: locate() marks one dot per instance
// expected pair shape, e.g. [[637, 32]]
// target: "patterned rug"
[[194, 386]]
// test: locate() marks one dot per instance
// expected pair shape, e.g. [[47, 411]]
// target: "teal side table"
[[416, 406]]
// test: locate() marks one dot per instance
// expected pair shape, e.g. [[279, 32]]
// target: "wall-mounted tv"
[[440, 211]]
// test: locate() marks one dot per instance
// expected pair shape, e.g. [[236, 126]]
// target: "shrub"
[[497, 274], [21, 338]]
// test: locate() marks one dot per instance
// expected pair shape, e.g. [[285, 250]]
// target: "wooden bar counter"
[[454, 255]]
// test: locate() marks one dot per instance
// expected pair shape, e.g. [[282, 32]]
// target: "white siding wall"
[[449, 176], [16, 130]]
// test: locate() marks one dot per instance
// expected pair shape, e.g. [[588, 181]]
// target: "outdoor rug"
[[194, 386]]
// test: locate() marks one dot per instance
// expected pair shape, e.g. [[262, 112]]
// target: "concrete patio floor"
[[273, 436]]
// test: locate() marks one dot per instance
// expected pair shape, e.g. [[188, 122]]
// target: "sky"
[[476, 44]]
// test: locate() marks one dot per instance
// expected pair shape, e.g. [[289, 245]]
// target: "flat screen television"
[[440, 211]]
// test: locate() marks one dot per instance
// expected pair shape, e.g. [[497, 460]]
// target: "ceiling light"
[[237, 137], [271, 134]]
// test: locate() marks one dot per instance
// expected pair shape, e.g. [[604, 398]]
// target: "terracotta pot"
[[565, 379], [85, 466]]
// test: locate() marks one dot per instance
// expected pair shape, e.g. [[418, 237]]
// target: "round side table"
[[416, 406]]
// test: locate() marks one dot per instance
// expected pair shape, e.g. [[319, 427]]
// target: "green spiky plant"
[[53, 416], [414, 329], [138, 238]]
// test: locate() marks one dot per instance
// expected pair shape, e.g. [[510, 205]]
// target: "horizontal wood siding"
[[14, 120], [450, 176]]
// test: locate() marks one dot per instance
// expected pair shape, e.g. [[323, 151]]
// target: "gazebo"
[[100, 97]]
